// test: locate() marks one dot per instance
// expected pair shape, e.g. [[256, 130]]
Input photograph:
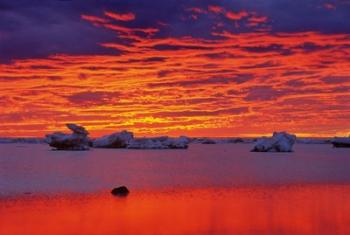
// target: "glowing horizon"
[[242, 78]]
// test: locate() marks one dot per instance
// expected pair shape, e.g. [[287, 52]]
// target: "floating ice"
[[78, 140], [279, 142], [115, 140]]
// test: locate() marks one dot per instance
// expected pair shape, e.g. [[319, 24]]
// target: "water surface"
[[35, 168], [207, 189], [302, 210]]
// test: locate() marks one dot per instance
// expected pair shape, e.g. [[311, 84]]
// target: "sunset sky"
[[175, 67]]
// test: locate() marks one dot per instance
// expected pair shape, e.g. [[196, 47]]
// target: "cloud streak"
[[120, 16]]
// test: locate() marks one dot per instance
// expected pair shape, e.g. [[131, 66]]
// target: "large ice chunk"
[[279, 142], [77, 140], [115, 140]]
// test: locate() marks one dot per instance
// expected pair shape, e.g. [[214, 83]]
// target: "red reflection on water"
[[284, 210]]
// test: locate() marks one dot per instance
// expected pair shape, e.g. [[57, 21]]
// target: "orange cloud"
[[236, 84]]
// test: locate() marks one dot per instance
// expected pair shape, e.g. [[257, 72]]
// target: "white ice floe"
[[145, 143], [177, 143], [206, 140], [163, 142], [115, 140], [77, 140], [341, 142], [279, 142]]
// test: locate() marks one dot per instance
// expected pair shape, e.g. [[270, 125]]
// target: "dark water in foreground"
[[218, 189]]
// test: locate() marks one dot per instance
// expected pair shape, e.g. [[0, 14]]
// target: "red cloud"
[[197, 10], [121, 17], [236, 16], [94, 19], [216, 9], [256, 20]]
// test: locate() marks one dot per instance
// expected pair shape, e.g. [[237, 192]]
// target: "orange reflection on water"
[[283, 210]]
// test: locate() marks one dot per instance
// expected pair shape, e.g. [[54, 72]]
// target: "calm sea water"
[[207, 189], [36, 169]]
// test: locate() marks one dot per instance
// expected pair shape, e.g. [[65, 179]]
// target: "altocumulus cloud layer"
[[168, 67]]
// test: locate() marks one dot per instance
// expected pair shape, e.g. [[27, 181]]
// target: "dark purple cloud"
[[336, 79], [261, 93], [267, 64], [38, 28], [191, 113], [236, 79], [91, 98], [276, 48]]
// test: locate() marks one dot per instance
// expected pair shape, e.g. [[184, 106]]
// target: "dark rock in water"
[[120, 191]]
